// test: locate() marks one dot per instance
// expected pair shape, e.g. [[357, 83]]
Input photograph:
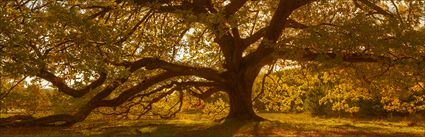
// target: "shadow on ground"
[[210, 129], [251, 129], [225, 129]]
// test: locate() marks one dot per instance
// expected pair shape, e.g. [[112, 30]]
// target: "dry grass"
[[280, 125]]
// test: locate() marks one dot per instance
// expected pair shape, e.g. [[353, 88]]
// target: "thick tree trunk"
[[241, 101], [241, 107]]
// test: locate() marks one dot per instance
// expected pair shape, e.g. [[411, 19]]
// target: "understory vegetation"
[[288, 91]]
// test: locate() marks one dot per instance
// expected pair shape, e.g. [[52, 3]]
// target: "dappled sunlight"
[[277, 125]]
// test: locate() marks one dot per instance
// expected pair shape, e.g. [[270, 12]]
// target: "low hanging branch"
[[129, 93], [146, 100], [97, 101], [63, 87], [172, 70]]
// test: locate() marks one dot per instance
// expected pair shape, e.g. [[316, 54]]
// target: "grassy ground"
[[280, 125]]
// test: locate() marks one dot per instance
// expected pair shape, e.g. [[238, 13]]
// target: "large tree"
[[136, 52]]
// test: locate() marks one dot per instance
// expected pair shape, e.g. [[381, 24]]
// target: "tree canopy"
[[130, 54]]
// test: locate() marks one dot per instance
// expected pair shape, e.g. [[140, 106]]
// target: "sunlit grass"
[[347, 125], [194, 125]]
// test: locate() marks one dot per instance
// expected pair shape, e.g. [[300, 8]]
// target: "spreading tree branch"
[[291, 23], [63, 87], [127, 94], [261, 56], [154, 63], [205, 94], [213, 87]]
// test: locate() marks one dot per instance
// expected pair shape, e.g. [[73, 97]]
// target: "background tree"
[[133, 54], [339, 92]]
